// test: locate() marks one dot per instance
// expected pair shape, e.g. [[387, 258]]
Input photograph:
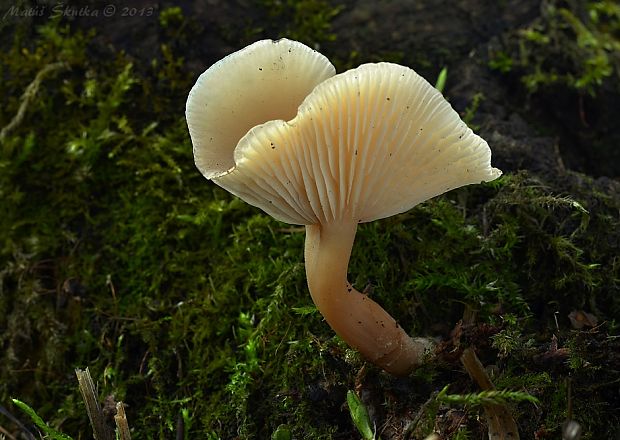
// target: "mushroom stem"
[[357, 319]]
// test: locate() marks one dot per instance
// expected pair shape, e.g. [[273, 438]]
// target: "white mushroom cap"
[[262, 82], [365, 144]]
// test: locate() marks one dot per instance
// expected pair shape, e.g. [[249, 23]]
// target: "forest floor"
[[192, 307]]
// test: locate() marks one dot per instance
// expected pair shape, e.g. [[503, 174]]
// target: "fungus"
[[345, 155]]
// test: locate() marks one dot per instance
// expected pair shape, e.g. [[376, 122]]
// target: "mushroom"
[[274, 125]]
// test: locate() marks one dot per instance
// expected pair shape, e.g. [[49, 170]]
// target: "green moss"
[[190, 305], [572, 46], [308, 21]]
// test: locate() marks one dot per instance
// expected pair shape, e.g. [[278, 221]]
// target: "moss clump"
[[566, 64], [192, 307], [308, 21], [575, 44]]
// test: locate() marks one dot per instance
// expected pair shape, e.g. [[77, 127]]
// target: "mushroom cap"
[[262, 82], [365, 144]]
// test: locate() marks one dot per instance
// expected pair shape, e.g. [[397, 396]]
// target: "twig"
[[502, 425], [5, 434], [180, 427], [24, 431], [29, 95], [411, 426], [121, 422], [101, 431]]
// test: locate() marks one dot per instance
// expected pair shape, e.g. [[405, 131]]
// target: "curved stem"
[[357, 319]]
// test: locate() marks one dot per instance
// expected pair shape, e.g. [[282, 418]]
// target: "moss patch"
[[192, 307]]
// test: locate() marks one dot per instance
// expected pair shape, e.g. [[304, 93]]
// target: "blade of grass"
[[48, 430], [360, 417]]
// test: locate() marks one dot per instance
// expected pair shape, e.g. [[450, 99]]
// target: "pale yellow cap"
[[264, 81], [365, 144]]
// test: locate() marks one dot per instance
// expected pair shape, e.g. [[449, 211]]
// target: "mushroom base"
[[357, 319]]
